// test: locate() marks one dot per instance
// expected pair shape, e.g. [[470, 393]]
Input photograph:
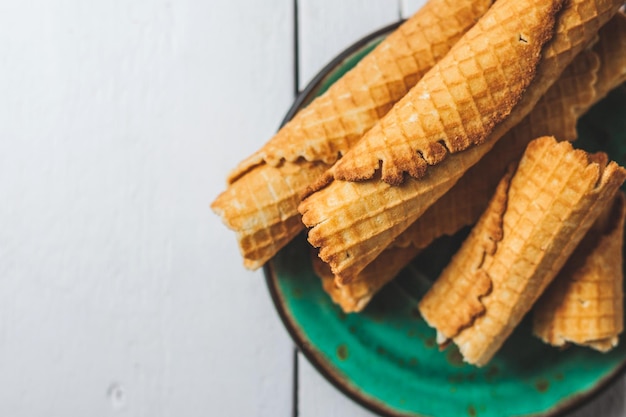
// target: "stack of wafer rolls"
[[585, 81], [584, 305], [489, 81], [536, 218], [466, 200], [263, 192]]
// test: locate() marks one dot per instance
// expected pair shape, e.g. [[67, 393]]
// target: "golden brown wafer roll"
[[260, 203], [528, 231], [584, 304], [611, 49], [352, 222], [260, 207], [355, 296]]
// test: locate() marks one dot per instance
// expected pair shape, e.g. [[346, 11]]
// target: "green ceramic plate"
[[386, 357]]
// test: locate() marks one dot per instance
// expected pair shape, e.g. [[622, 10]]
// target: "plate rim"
[[325, 369]]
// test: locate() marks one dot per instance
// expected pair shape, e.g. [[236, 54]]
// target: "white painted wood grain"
[[327, 27], [120, 292], [319, 398], [609, 403], [408, 7]]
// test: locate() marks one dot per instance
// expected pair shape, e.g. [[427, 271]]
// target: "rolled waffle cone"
[[612, 51], [528, 231], [352, 222], [354, 296], [331, 124], [584, 304], [260, 208]]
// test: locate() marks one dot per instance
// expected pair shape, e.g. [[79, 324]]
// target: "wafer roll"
[[611, 49], [352, 222], [280, 171], [584, 304], [355, 296], [260, 208], [528, 231]]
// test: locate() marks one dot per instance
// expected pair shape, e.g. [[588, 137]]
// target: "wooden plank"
[[408, 7], [319, 398], [328, 27], [610, 403], [121, 293]]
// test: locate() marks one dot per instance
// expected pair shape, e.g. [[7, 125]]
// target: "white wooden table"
[[120, 292]]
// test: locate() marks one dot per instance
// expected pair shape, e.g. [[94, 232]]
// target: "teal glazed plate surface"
[[386, 357]]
